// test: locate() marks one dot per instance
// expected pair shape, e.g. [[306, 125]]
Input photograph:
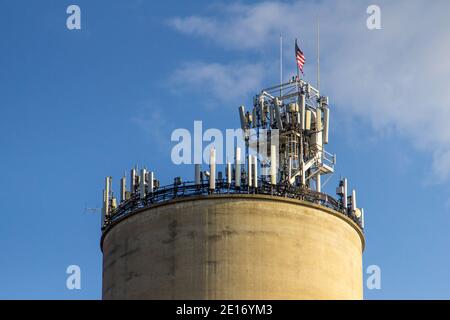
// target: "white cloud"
[[151, 120], [242, 27], [396, 78], [229, 83]]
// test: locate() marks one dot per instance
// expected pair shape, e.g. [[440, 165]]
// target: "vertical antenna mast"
[[318, 54], [281, 65]]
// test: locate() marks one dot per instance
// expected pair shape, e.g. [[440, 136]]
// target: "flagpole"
[[298, 72]]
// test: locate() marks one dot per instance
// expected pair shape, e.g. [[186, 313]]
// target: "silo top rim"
[[335, 213]]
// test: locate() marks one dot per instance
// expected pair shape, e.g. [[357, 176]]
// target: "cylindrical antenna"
[[229, 177], [237, 168], [273, 165], [264, 110], [242, 117], [362, 218], [255, 171], [353, 200], [308, 120], [123, 188], [113, 203], [133, 181], [319, 120], [198, 170], [108, 184], [326, 124], [345, 197], [143, 183], [212, 169], [249, 170], [151, 182]]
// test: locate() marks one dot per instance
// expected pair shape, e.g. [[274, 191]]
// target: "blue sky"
[[79, 105]]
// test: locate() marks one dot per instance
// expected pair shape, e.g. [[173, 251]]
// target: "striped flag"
[[299, 56]]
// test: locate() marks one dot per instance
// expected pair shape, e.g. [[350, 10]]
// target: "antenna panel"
[[237, 168], [242, 117], [212, 169], [326, 124], [308, 116]]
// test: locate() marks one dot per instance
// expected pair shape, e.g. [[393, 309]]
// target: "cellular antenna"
[[276, 201]]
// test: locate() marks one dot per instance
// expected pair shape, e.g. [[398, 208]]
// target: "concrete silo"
[[262, 237]]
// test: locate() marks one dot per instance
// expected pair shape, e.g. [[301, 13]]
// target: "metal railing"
[[190, 189]]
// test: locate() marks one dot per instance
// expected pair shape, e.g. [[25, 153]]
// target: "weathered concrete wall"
[[233, 247]]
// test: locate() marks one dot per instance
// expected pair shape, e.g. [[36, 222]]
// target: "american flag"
[[299, 56]]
